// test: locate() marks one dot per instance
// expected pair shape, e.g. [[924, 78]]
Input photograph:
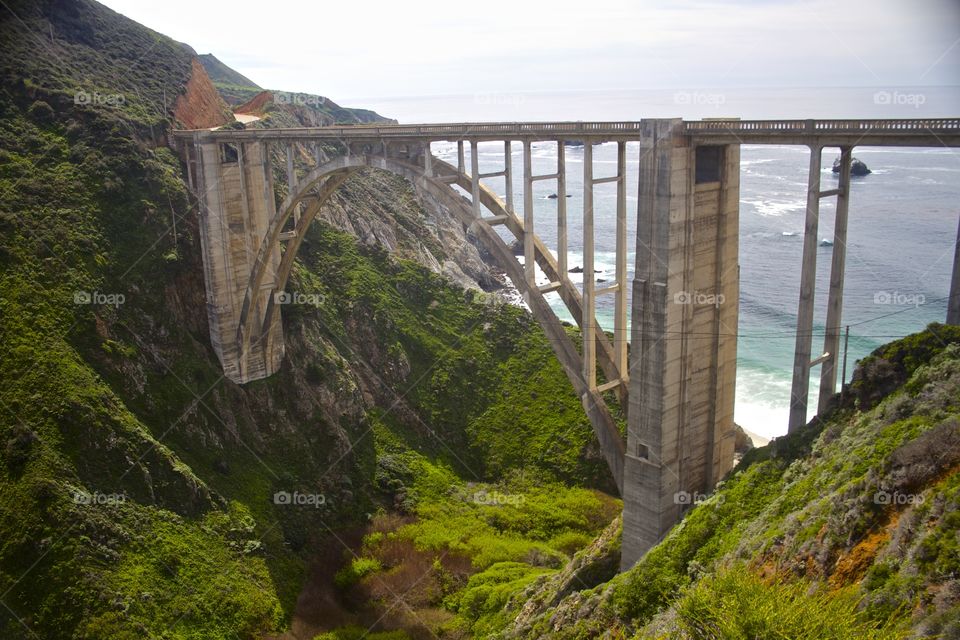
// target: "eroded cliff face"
[[256, 105], [383, 210], [200, 106]]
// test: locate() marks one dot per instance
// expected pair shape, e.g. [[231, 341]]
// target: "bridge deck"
[[926, 132]]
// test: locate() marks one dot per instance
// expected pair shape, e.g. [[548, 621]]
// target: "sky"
[[391, 48]]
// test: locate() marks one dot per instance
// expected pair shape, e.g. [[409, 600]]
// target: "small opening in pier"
[[708, 160], [643, 452], [228, 152]]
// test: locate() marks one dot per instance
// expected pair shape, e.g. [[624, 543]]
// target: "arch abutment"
[[680, 429]]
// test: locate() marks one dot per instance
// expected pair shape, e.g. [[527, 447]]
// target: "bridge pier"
[[808, 281], [684, 315], [235, 191], [828, 358], [831, 338]]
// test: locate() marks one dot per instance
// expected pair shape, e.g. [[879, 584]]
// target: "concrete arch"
[[321, 183]]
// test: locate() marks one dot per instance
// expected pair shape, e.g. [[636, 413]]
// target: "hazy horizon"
[[434, 50]]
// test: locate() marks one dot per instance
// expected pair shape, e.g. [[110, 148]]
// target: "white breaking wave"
[[774, 208]]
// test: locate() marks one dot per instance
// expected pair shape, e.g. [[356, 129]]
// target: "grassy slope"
[[219, 72], [234, 87], [101, 400], [797, 536]]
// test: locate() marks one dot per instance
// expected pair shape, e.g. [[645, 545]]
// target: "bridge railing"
[[468, 128], [896, 126], [461, 130]]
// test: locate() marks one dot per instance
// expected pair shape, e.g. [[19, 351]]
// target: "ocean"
[[902, 225]]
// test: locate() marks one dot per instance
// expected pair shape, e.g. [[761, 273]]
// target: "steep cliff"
[[200, 106]]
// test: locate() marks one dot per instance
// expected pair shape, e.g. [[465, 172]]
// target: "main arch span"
[[669, 358]]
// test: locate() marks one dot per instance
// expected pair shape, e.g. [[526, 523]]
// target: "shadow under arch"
[[315, 190]]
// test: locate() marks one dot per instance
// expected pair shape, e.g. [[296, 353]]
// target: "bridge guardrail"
[[568, 130], [904, 125]]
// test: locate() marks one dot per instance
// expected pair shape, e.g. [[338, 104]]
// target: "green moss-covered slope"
[[233, 86], [847, 528]]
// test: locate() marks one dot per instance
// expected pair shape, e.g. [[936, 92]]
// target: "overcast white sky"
[[379, 48]]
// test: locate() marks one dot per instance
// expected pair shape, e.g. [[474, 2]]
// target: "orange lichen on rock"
[[852, 566], [201, 107]]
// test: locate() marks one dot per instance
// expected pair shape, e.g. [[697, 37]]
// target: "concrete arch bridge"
[[676, 382]]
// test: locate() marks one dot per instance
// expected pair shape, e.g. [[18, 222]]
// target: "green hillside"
[[221, 73], [235, 87], [846, 529]]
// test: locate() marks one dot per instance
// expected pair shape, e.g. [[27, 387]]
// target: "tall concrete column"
[[831, 340], [588, 327], [529, 262], [808, 282], [683, 351], [508, 175], [562, 210]]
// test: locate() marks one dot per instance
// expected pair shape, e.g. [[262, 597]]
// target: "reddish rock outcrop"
[[255, 105], [201, 107]]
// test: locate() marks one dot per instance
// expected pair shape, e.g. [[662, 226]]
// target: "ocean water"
[[901, 235]]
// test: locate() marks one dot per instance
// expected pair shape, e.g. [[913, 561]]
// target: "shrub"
[[355, 571], [359, 633], [735, 604]]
